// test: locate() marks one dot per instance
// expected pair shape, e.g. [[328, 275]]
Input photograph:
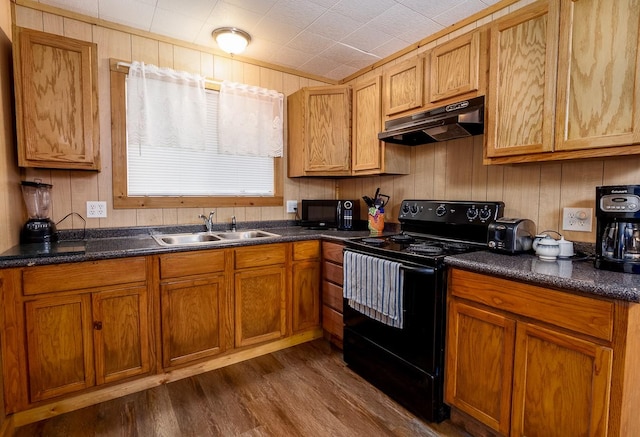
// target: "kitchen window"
[[161, 177]]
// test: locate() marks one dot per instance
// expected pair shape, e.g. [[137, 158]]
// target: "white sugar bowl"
[[548, 249]]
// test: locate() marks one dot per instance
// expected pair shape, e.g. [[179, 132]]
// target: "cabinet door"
[[367, 123], [480, 348], [59, 346], [561, 385], [522, 82], [121, 333], [56, 101], [260, 307], [403, 86], [306, 295], [598, 74], [327, 127], [192, 319], [454, 67]]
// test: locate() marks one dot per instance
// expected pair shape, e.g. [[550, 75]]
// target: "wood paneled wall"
[[72, 189]]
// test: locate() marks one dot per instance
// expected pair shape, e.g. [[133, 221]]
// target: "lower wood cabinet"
[[78, 338], [305, 286], [332, 279], [525, 360], [260, 294]]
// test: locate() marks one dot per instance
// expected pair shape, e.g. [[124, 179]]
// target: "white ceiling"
[[328, 38]]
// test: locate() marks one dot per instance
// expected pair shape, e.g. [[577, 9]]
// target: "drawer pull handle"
[[97, 326]]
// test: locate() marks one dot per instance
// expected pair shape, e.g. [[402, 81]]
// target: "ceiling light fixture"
[[231, 39]]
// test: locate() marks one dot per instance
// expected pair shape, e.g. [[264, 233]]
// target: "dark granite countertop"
[[98, 244], [575, 274]]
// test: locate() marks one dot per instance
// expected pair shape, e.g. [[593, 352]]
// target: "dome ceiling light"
[[231, 39]]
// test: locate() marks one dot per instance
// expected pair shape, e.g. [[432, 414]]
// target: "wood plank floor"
[[306, 390]]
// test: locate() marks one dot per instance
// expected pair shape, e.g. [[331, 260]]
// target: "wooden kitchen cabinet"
[[370, 155], [305, 285], [522, 85], [194, 306], [454, 68], [319, 131], [261, 293], [564, 82], [83, 324], [525, 360], [403, 86], [332, 281], [56, 90], [598, 75]]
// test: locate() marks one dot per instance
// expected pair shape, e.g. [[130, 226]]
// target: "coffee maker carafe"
[[618, 228], [39, 228]]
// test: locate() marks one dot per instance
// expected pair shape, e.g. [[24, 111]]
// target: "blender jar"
[[37, 199]]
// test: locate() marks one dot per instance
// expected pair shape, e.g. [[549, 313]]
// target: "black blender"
[[39, 228]]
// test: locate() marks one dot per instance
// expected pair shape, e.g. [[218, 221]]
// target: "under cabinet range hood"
[[457, 120]]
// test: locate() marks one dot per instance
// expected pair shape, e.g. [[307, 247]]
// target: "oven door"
[[420, 341], [406, 363]]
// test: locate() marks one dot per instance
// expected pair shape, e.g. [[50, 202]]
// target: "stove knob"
[[485, 214], [414, 208], [441, 210], [405, 208], [472, 213]]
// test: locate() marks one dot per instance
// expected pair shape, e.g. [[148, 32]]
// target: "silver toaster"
[[511, 235]]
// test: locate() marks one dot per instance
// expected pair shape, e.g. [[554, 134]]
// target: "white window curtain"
[[250, 120], [165, 108]]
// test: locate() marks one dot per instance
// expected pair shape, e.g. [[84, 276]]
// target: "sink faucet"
[[233, 224], [208, 221]]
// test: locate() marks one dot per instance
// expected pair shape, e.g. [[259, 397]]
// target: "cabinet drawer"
[[578, 313], [77, 276], [332, 252], [332, 322], [332, 272], [263, 255], [191, 263], [332, 295], [306, 250]]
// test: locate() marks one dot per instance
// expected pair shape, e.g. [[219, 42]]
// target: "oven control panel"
[[454, 212]]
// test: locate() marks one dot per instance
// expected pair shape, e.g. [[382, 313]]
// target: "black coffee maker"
[[39, 228], [618, 228]]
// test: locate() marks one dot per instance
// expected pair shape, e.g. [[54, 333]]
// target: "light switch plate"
[[577, 219]]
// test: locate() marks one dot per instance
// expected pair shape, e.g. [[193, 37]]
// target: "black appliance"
[[457, 120], [330, 214], [618, 228], [39, 228], [407, 362]]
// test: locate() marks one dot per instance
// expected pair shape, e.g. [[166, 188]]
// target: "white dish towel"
[[373, 287]]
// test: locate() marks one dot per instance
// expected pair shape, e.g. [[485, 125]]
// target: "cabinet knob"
[[97, 326]]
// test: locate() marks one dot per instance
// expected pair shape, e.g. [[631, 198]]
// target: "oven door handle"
[[419, 270]]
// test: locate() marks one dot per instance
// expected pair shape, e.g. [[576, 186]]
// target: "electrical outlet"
[[292, 206], [577, 219], [96, 209]]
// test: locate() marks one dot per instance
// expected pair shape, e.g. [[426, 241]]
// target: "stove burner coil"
[[373, 241], [402, 238]]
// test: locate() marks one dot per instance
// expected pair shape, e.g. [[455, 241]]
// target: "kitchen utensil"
[[548, 249], [39, 228]]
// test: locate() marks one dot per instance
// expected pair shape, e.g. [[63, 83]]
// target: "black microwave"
[[339, 214]]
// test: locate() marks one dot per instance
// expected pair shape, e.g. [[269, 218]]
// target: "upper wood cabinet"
[[455, 67], [369, 154], [56, 88], [403, 86], [319, 127], [598, 74], [522, 85], [564, 82]]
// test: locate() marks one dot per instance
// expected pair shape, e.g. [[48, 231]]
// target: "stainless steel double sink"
[[201, 238]]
